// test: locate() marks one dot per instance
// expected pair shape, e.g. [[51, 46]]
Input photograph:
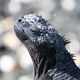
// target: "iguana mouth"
[[20, 34]]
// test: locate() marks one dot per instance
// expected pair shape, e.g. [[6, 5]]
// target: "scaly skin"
[[50, 58]]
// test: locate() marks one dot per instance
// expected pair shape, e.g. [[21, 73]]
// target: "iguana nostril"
[[19, 20]]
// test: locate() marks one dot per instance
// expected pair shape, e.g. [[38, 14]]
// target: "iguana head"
[[35, 29]]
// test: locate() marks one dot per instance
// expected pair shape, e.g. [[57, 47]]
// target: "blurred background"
[[15, 62]]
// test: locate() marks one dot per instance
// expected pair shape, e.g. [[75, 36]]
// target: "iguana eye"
[[36, 33]]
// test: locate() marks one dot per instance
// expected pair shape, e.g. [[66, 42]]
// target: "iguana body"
[[50, 58]]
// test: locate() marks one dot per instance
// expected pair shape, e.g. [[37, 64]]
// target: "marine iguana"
[[47, 49]]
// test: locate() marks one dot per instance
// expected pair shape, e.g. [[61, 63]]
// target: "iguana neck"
[[63, 63], [64, 59], [45, 60], [48, 59]]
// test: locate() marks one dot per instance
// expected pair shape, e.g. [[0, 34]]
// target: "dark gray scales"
[[47, 49]]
